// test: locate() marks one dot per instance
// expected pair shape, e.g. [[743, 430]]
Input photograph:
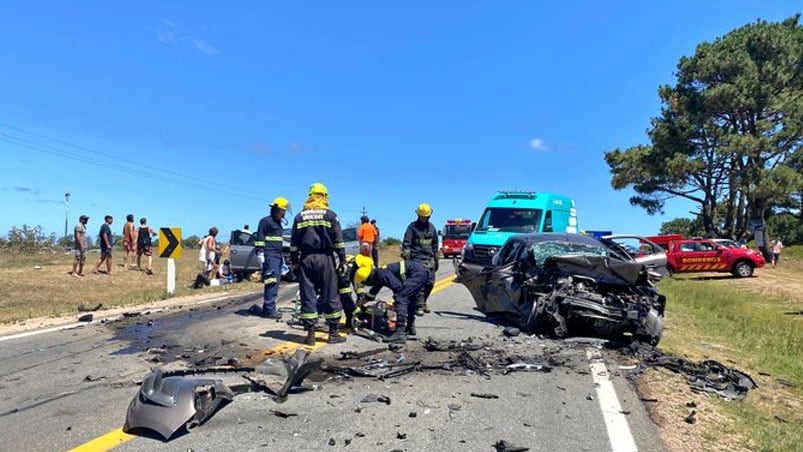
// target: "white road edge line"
[[75, 325], [619, 434]]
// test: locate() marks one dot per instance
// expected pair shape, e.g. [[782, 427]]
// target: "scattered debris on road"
[[504, 446]]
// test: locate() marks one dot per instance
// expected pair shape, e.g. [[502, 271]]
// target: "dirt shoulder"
[[100, 314]]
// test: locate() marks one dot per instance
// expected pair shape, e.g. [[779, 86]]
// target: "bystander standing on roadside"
[[80, 246], [129, 241], [209, 255], [144, 236], [375, 251], [777, 247], [106, 242], [366, 234]]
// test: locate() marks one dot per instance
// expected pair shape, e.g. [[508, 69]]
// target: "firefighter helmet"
[[318, 188], [281, 203], [364, 266], [424, 210]]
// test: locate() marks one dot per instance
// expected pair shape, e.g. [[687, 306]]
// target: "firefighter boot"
[[399, 336], [310, 328], [410, 330], [419, 305], [334, 336]]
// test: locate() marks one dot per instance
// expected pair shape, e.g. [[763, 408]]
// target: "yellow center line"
[[106, 442], [116, 437]]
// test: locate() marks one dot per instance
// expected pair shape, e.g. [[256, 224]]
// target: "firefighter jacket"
[[316, 231], [421, 243], [393, 277], [269, 236]]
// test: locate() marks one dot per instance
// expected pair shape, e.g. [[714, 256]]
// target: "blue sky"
[[197, 114]]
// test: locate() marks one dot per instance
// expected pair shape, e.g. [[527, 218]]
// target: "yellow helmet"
[[364, 266], [318, 188], [281, 203], [424, 210]]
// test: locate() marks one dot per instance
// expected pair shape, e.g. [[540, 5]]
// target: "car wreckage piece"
[[562, 284], [167, 402]]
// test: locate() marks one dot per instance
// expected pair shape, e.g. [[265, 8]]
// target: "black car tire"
[[742, 269]]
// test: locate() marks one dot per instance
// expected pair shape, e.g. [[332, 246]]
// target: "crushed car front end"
[[563, 284]]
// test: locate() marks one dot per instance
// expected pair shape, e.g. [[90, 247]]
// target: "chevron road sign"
[[170, 242]]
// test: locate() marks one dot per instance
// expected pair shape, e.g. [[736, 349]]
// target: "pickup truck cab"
[[702, 255]]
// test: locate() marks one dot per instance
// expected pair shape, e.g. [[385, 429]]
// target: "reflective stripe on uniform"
[[334, 315], [308, 316], [270, 280], [402, 271], [273, 238], [345, 290], [259, 243], [313, 223], [340, 245]]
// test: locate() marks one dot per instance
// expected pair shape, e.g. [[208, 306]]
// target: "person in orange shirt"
[[366, 234]]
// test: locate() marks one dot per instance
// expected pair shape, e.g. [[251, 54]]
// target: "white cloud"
[[297, 147], [537, 144], [202, 45], [259, 149], [169, 32]]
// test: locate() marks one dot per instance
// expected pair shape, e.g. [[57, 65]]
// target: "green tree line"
[[728, 137]]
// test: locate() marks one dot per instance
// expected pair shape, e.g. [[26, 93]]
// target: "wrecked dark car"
[[567, 284]]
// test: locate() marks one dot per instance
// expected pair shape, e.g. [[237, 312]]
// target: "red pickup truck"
[[701, 255]]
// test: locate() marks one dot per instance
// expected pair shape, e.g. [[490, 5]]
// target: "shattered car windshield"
[[510, 220], [544, 250]]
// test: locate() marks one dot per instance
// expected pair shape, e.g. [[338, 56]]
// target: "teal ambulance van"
[[517, 212]]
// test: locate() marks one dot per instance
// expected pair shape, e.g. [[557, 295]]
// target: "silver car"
[[243, 257], [642, 250]]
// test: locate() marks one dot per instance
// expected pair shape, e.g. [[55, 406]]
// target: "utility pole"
[[364, 212], [66, 211]]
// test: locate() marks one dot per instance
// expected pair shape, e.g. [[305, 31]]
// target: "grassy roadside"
[[753, 325], [35, 286]]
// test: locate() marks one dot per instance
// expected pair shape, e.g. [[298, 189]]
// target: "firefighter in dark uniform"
[[269, 244], [421, 245], [346, 292], [315, 240], [406, 278]]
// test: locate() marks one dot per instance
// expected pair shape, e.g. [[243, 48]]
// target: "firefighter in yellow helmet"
[[315, 243], [420, 244], [268, 244], [405, 278]]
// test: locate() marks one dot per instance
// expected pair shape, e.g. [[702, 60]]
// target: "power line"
[[128, 166], [133, 167]]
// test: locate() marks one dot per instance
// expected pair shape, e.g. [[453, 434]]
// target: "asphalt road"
[[69, 389]]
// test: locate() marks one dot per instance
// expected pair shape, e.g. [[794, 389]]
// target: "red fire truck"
[[454, 236]]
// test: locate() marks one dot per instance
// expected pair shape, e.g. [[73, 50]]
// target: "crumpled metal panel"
[[166, 404]]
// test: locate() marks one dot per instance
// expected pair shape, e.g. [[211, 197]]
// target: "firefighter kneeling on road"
[[405, 278]]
